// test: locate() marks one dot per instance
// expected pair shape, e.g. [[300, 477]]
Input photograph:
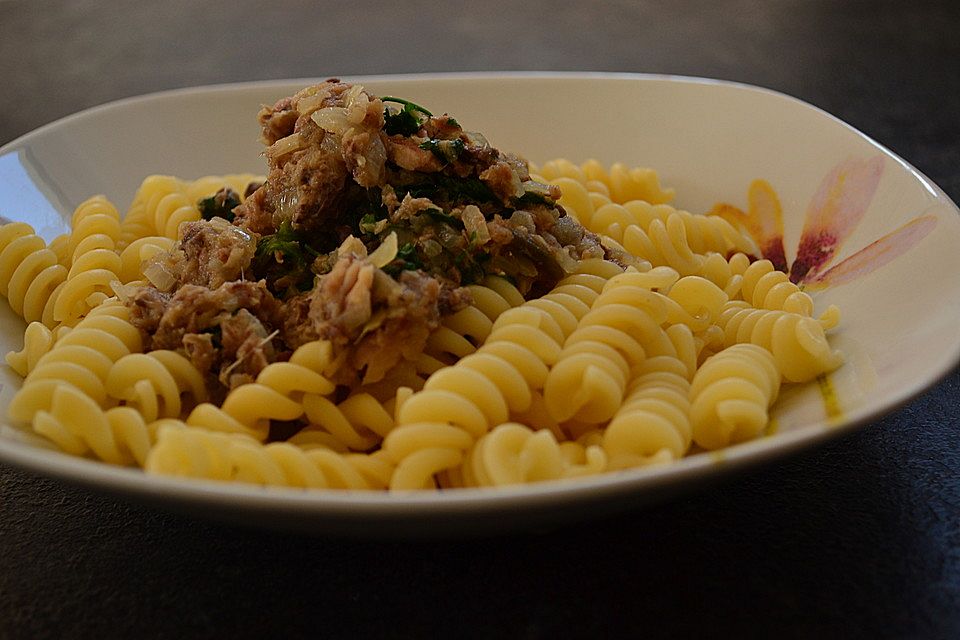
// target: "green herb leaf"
[[368, 223], [469, 190], [407, 260], [405, 122], [284, 260], [413, 106], [445, 151], [285, 243], [219, 205], [408, 253], [279, 251]]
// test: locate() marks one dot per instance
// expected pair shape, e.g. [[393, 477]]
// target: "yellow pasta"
[[621, 336], [95, 224], [730, 395], [360, 422], [37, 341], [515, 454], [464, 330], [276, 395], [798, 343], [155, 383], [620, 183], [78, 425], [197, 453], [162, 203], [460, 403], [653, 424], [82, 358], [31, 275]]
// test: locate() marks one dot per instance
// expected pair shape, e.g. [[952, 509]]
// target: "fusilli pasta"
[[681, 343]]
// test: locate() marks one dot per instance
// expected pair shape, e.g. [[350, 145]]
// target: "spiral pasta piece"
[[730, 396], [162, 203], [95, 224], [632, 223], [277, 394], [726, 274], [653, 423], [462, 332], [81, 358], [198, 453], [620, 182], [37, 341], [628, 183], [30, 273], [765, 287], [154, 383], [460, 403], [78, 425], [704, 233], [171, 211], [622, 328], [140, 220], [94, 263], [513, 453], [360, 422], [87, 285], [61, 247], [664, 244], [798, 343], [691, 300]]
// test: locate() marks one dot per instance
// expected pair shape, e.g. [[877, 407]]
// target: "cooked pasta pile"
[[621, 364]]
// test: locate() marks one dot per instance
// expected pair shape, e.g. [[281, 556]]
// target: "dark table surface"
[[859, 537]]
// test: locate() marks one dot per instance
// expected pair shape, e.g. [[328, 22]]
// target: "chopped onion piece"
[[159, 276], [386, 252], [356, 104], [309, 104], [286, 203], [352, 245], [286, 145], [332, 119], [475, 223], [125, 291], [567, 262]]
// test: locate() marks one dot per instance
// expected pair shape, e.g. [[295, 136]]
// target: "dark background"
[[857, 538]]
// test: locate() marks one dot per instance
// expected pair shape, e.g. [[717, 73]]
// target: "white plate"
[[900, 327]]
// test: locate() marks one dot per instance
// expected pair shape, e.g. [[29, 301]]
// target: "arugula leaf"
[[453, 189], [407, 259], [367, 223], [444, 150], [284, 260], [284, 242], [406, 104], [405, 122], [219, 205], [408, 253]]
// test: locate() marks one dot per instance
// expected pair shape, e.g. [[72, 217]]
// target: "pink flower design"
[[833, 214]]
